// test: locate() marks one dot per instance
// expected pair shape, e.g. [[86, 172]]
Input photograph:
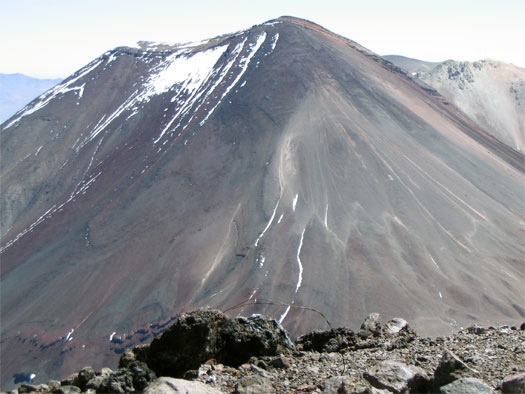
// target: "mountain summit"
[[281, 163]]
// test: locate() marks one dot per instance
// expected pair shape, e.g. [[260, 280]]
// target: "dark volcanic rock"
[[203, 334], [514, 384], [327, 341], [371, 326], [369, 366], [451, 368]]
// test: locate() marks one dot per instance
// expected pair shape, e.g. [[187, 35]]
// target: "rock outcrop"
[[207, 334], [216, 353]]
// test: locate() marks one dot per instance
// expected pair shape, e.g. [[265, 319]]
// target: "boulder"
[[397, 334], [280, 361], [397, 377], [327, 341], [68, 389], [203, 334], [135, 377], [346, 385], [513, 384], [53, 385], [466, 386], [167, 385], [395, 326], [84, 376], [33, 388], [254, 384], [451, 368], [371, 326]]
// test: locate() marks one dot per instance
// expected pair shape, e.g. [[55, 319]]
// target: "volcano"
[[280, 170]]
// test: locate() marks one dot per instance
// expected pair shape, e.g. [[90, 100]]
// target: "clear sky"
[[54, 38]]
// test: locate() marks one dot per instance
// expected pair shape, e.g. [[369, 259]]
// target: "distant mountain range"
[[278, 170], [17, 90]]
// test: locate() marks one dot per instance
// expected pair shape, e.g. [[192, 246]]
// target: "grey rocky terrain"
[[490, 92], [206, 351]]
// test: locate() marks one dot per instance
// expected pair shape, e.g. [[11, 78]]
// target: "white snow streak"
[[274, 42], [69, 335], [244, 64], [80, 188], [299, 276], [299, 263], [51, 94], [261, 260], [294, 203], [267, 225], [284, 314], [326, 216]]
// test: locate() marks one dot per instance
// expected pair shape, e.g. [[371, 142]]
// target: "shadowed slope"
[[283, 163]]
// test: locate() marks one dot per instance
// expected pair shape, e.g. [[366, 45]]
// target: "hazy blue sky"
[[54, 38]]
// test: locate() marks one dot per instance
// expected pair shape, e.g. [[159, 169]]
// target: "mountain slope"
[[413, 66], [283, 162], [490, 92], [16, 90]]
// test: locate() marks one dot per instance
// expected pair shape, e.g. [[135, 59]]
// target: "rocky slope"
[[218, 354], [490, 92], [283, 162]]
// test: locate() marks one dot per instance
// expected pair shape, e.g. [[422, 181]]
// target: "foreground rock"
[[208, 334], [219, 354]]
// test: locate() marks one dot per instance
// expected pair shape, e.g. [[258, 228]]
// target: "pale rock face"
[[395, 325], [397, 377], [490, 92], [167, 385]]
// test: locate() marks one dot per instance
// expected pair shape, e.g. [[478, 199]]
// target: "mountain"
[[16, 90], [413, 66], [490, 92], [279, 170]]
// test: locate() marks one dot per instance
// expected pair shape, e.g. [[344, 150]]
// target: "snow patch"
[[267, 225], [274, 42], [68, 336], [284, 314], [294, 203], [299, 263], [189, 72]]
